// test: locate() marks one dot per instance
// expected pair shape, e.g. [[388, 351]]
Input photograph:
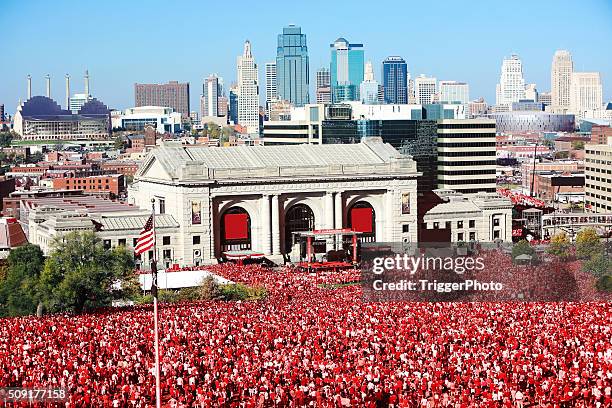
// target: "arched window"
[[297, 219], [235, 230]]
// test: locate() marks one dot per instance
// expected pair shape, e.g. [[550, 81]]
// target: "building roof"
[[136, 222], [44, 108], [11, 234], [370, 152]]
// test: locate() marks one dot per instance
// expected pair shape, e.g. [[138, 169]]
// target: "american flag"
[[146, 239]]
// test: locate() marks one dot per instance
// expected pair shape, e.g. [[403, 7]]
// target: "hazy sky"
[[128, 41]]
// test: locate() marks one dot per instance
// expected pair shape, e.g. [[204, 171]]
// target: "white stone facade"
[[268, 181]]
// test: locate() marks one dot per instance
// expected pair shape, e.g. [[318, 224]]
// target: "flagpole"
[[155, 314]]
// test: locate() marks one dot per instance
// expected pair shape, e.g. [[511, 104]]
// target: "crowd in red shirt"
[[309, 345]]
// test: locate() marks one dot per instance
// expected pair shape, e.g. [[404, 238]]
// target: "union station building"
[[258, 198], [266, 200]]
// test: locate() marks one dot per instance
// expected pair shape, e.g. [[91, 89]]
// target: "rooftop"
[[179, 161]]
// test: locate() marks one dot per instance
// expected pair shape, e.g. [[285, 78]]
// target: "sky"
[[130, 41]]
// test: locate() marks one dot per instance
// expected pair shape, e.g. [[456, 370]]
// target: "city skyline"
[[113, 77]]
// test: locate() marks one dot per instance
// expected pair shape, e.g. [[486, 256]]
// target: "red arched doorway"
[[235, 230], [362, 218]]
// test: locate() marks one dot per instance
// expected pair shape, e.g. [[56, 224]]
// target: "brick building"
[[112, 184]]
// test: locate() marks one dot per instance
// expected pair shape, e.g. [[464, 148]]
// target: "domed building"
[[41, 118]]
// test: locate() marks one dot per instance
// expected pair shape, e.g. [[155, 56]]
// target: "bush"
[[598, 266], [522, 248], [604, 283], [188, 294], [239, 291]]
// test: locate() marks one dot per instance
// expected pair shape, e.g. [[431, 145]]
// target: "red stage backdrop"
[[236, 226], [361, 219]]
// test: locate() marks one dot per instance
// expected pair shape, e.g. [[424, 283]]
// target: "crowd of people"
[[310, 343]]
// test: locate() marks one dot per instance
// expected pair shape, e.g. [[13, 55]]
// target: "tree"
[[577, 145], [119, 143], [522, 248], [588, 243], [81, 274], [214, 130], [599, 266], [18, 290], [559, 245], [6, 138]]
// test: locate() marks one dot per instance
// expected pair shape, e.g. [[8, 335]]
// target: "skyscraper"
[[346, 70], [424, 89], [511, 86], [292, 69], [271, 89], [395, 80], [368, 89], [233, 104], [173, 95], [323, 80], [585, 92], [248, 91], [454, 92], [211, 91], [560, 79]]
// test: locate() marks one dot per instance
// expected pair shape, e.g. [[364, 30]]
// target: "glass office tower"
[[346, 70], [395, 80], [292, 74]]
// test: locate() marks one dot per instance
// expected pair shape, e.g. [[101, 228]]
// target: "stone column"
[[329, 210], [389, 216], [266, 232], [275, 226], [338, 210]]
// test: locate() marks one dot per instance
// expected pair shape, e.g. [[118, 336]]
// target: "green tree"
[[18, 290], [6, 138], [214, 130], [588, 243], [599, 266], [559, 245], [80, 274], [577, 145], [522, 248], [119, 143]]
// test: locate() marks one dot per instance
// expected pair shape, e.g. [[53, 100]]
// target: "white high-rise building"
[[511, 86], [368, 89], [586, 92], [271, 90], [248, 91], [454, 92], [560, 79], [424, 89], [210, 96], [531, 92]]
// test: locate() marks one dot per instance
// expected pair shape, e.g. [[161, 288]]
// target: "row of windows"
[[600, 179], [476, 190], [597, 205], [465, 135], [602, 197], [597, 161], [597, 187], [466, 172], [598, 170], [123, 241], [468, 181], [470, 163], [467, 154], [466, 126], [467, 144]]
